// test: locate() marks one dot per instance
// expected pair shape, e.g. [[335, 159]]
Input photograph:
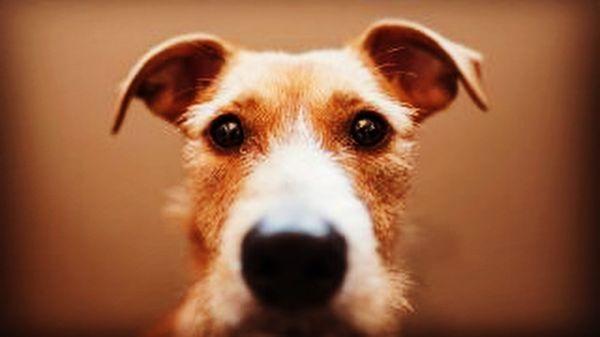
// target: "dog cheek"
[[213, 181], [229, 300], [373, 304], [382, 182]]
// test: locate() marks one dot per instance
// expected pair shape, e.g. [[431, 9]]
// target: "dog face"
[[297, 167]]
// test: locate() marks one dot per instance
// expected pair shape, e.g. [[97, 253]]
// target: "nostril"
[[292, 269]]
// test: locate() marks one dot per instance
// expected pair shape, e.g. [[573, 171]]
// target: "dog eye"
[[368, 129], [226, 131]]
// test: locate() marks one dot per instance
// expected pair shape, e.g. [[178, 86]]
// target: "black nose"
[[293, 262]]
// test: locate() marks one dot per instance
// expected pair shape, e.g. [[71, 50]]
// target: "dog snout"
[[294, 261]]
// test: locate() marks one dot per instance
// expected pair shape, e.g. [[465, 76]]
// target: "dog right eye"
[[226, 131]]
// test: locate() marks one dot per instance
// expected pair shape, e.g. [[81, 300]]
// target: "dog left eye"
[[368, 129], [226, 131]]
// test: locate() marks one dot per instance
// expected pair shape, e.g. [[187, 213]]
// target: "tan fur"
[[275, 94]]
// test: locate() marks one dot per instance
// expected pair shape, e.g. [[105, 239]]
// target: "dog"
[[297, 170]]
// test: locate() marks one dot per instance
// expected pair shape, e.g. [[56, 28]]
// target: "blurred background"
[[504, 201]]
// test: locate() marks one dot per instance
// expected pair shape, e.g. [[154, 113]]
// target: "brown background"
[[500, 198]]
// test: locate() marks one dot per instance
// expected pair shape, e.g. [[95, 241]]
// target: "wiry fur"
[[296, 111]]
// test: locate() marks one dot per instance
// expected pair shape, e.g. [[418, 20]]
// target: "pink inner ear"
[[172, 75], [421, 77], [167, 90], [172, 86], [429, 82]]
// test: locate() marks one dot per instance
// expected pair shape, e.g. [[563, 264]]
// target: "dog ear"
[[421, 67], [171, 75]]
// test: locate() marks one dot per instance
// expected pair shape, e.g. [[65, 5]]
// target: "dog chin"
[[317, 323]]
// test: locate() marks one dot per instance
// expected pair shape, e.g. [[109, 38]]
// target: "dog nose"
[[293, 263]]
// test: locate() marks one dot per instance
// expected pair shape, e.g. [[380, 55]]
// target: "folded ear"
[[421, 67], [171, 75]]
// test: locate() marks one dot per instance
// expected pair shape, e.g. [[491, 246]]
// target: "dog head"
[[297, 167]]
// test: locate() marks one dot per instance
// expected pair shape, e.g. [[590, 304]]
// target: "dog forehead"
[[310, 77], [270, 90]]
